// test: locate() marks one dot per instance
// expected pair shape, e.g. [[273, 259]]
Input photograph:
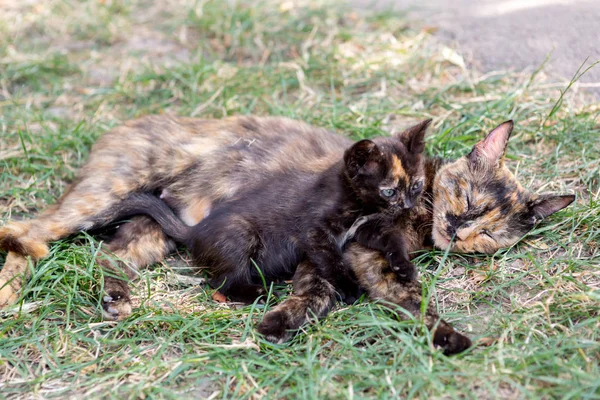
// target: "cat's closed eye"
[[485, 232]]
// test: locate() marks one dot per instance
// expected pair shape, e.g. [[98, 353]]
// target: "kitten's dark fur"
[[303, 218]]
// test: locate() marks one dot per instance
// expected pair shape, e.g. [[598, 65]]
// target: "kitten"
[[300, 218]]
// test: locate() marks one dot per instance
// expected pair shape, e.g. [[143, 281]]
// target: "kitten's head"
[[478, 202], [387, 172]]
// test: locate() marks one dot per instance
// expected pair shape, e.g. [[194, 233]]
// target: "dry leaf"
[[487, 341], [219, 297]]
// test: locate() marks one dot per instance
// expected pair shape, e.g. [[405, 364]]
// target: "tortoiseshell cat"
[[201, 162]]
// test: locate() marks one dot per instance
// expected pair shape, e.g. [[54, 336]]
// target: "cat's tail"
[[157, 209]]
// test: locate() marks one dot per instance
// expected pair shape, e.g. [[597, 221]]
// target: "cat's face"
[[478, 204], [387, 172]]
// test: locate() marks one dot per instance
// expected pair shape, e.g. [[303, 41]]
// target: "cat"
[[201, 162]]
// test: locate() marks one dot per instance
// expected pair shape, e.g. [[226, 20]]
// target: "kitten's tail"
[[152, 206]]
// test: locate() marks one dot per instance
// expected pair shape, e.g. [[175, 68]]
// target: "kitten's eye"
[[416, 186], [486, 233], [469, 205], [388, 192]]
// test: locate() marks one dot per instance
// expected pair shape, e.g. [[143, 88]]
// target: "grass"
[[70, 70]]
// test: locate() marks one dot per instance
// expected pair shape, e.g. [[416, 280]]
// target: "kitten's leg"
[[137, 244], [389, 240], [373, 272], [227, 242], [240, 291], [313, 297]]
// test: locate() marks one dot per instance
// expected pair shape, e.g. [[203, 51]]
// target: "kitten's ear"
[[547, 205], [414, 137], [491, 150], [364, 155]]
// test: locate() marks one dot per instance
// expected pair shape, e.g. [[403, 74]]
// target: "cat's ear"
[[547, 205], [363, 156], [491, 150], [414, 137]]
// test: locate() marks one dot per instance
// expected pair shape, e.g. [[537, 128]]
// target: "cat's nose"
[[453, 222], [407, 203], [450, 230], [460, 232], [458, 235]]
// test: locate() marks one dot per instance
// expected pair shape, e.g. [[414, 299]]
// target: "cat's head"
[[478, 204], [387, 172]]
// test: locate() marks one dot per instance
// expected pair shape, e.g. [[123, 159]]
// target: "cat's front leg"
[[372, 272]]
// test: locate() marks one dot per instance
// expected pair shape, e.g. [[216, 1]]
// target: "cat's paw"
[[449, 340], [116, 306], [275, 327], [403, 268]]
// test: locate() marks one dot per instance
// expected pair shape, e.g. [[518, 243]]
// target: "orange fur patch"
[[16, 229], [196, 211], [397, 170]]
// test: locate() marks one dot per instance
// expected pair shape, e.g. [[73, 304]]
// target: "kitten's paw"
[[403, 268], [116, 306], [275, 327], [449, 340], [8, 294]]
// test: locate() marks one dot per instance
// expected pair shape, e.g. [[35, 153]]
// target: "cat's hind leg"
[[313, 297], [137, 244], [11, 278], [86, 204], [231, 246]]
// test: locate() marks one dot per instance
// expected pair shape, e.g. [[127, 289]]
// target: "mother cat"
[[474, 200]]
